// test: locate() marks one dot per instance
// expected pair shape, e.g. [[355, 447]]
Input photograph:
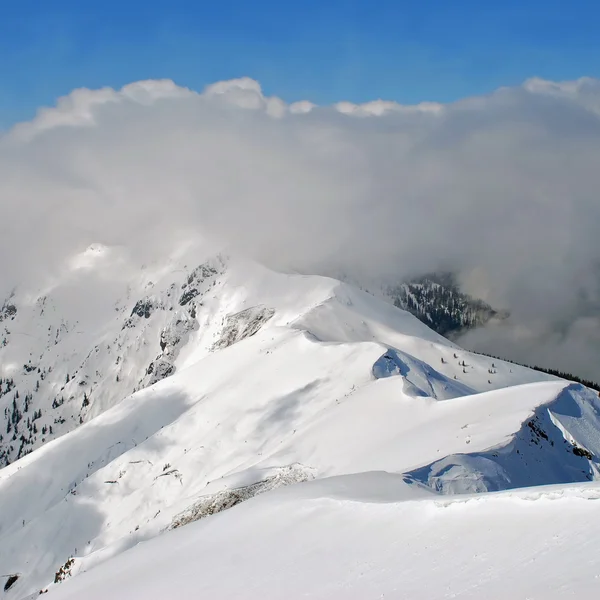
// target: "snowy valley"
[[370, 457]]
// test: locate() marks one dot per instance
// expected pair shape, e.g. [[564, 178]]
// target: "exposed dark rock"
[[8, 311], [143, 308], [537, 430], [64, 571], [577, 451], [12, 579], [159, 369], [187, 296]]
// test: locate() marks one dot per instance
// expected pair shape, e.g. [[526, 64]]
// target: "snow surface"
[[369, 536], [269, 380]]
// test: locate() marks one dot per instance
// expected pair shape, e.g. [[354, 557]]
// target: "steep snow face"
[[261, 380], [560, 442]]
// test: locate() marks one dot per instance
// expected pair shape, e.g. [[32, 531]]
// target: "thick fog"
[[504, 190]]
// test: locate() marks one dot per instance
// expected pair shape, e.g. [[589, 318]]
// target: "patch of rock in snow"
[[235, 493], [242, 325]]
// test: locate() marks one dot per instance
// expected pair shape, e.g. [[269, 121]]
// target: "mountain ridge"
[[279, 379]]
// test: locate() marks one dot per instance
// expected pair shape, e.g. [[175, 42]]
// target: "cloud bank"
[[502, 189]]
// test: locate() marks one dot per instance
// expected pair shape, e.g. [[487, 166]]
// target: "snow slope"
[[369, 536], [107, 326], [265, 380]]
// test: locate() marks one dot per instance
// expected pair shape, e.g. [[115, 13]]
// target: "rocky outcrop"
[[242, 325]]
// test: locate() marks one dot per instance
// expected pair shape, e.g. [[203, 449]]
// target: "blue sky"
[[322, 50]]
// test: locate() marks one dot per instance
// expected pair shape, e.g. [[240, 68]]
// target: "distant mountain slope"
[[436, 300]]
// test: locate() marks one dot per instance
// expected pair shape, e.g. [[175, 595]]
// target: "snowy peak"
[[244, 381]]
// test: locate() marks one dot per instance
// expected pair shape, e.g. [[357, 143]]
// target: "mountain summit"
[[359, 444]]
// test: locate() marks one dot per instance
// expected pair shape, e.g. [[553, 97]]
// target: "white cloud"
[[501, 188], [378, 108]]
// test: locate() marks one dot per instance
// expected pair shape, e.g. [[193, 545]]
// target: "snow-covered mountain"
[[102, 330], [141, 400]]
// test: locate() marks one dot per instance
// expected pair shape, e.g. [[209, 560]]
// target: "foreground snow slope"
[[278, 379], [369, 536]]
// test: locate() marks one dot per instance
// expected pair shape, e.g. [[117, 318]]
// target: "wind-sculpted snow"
[[557, 444], [420, 378]]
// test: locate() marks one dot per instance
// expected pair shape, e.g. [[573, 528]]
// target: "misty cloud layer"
[[502, 189]]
